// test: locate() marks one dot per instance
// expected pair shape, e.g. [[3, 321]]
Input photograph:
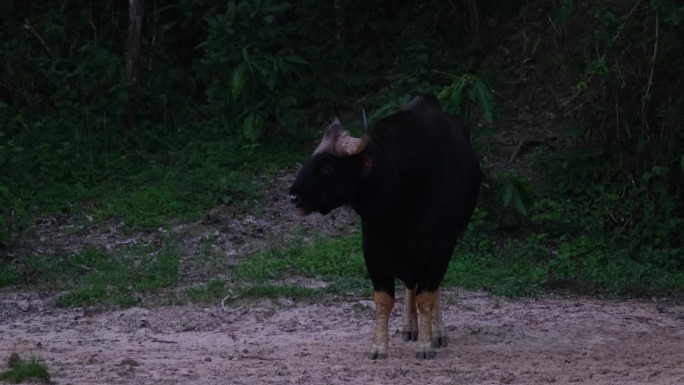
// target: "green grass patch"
[[143, 181], [9, 274], [477, 264], [21, 370], [338, 262], [588, 264], [95, 278], [282, 271], [510, 267], [323, 257], [205, 293]]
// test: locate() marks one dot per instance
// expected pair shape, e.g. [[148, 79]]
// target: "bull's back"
[[454, 179], [435, 188]]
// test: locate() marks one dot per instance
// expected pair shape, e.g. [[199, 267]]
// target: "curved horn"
[[337, 141], [365, 121], [336, 115], [348, 145]]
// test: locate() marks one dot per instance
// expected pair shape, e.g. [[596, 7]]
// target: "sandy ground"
[[493, 340]]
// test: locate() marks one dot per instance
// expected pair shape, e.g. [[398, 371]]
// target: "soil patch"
[[492, 341]]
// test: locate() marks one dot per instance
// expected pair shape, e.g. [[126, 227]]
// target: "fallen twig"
[[526, 143], [231, 297], [154, 339]]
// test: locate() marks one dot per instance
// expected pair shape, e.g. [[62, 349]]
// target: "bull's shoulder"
[[422, 103], [422, 119]]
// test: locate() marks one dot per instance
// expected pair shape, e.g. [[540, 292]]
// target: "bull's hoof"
[[378, 356], [440, 341], [426, 355], [410, 335]]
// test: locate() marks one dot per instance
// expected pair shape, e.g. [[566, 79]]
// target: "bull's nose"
[[294, 199]]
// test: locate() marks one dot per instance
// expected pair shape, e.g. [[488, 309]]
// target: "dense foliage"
[[226, 89], [629, 168]]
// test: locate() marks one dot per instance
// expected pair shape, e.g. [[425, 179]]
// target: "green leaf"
[[296, 59], [660, 170], [564, 13], [508, 194], [261, 69], [271, 79], [519, 204], [480, 94], [655, 171], [457, 94], [238, 81], [453, 95], [253, 127], [525, 192]]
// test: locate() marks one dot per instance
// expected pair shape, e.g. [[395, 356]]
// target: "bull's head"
[[333, 174]]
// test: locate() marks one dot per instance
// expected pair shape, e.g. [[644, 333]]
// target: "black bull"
[[413, 178]]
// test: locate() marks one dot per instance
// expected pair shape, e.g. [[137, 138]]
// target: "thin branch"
[[554, 27], [92, 24], [603, 57], [622, 27], [650, 77], [528, 143], [155, 339], [29, 26]]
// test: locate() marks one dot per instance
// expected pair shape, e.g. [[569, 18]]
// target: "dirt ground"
[[493, 340]]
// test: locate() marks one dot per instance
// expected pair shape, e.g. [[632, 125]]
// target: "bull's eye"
[[327, 169]]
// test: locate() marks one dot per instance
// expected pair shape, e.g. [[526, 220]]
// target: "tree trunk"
[[133, 39], [132, 56], [473, 15]]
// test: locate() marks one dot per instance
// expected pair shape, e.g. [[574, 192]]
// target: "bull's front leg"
[[426, 303], [410, 328], [383, 307]]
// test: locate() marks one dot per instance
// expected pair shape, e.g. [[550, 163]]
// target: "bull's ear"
[[366, 165]]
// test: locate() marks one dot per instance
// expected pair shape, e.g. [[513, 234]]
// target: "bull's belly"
[[414, 252], [411, 264]]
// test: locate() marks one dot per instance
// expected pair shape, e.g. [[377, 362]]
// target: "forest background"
[[152, 113]]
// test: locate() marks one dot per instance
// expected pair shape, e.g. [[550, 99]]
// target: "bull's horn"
[[336, 140], [347, 145], [336, 115], [365, 121]]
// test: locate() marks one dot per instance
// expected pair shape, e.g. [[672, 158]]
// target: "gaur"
[[413, 178]]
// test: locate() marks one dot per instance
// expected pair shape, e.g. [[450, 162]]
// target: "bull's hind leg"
[[383, 307], [410, 328], [426, 302], [439, 337]]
